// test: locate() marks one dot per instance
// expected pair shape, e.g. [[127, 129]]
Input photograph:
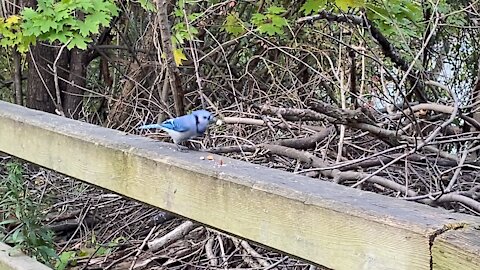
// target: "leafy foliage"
[[12, 35], [147, 5], [56, 20], [395, 15], [387, 14], [233, 25], [311, 63], [23, 216], [183, 30], [311, 6], [71, 22], [65, 259], [270, 23], [69, 258]]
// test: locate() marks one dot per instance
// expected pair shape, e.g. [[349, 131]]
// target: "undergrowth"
[[21, 217]]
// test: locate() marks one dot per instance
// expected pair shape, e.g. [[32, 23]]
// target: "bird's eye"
[[205, 117]]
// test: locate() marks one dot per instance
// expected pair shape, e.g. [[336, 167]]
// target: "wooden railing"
[[325, 223]]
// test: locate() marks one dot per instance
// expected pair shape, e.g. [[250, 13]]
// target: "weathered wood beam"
[[13, 259], [328, 224]]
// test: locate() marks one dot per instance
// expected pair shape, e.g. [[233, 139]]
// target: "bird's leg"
[[181, 148]]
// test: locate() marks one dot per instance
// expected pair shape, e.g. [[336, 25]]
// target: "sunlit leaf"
[[14, 19], [179, 56]]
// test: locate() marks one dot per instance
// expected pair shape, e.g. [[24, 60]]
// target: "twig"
[[212, 259], [174, 235], [428, 139], [254, 254], [457, 172], [140, 248]]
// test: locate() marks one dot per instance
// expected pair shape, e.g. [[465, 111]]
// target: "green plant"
[[233, 25], [270, 23], [183, 30], [21, 217], [12, 35], [65, 259], [71, 22], [93, 248]]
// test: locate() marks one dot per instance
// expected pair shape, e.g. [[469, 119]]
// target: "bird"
[[185, 127]]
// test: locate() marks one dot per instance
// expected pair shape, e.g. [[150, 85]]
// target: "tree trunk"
[[17, 76], [40, 91], [172, 71], [73, 97], [41, 85]]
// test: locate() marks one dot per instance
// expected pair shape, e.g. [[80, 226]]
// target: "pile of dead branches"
[[105, 231], [348, 115]]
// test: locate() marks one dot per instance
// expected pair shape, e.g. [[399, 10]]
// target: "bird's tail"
[[150, 126]]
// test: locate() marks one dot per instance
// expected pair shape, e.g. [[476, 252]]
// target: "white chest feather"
[[179, 137]]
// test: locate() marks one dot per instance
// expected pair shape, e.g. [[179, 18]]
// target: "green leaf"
[[11, 20], [85, 5], [233, 25], [278, 21], [193, 31], [102, 251], [178, 13], [311, 6], [67, 23], [62, 14], [16, 237], [100, 18], [47, 253], [79, 42], [28, 13], [8, 221], [54, 20], [178, 38], [107, 6], [64, 259], [258, 18], [275, 10], [147, 5], [90, 25], [44, 4], [270, 29], [46, 25]]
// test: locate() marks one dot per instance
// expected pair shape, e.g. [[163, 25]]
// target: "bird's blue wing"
[[180, 124]]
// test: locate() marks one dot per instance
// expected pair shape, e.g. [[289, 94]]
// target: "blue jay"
[[185, 127]]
